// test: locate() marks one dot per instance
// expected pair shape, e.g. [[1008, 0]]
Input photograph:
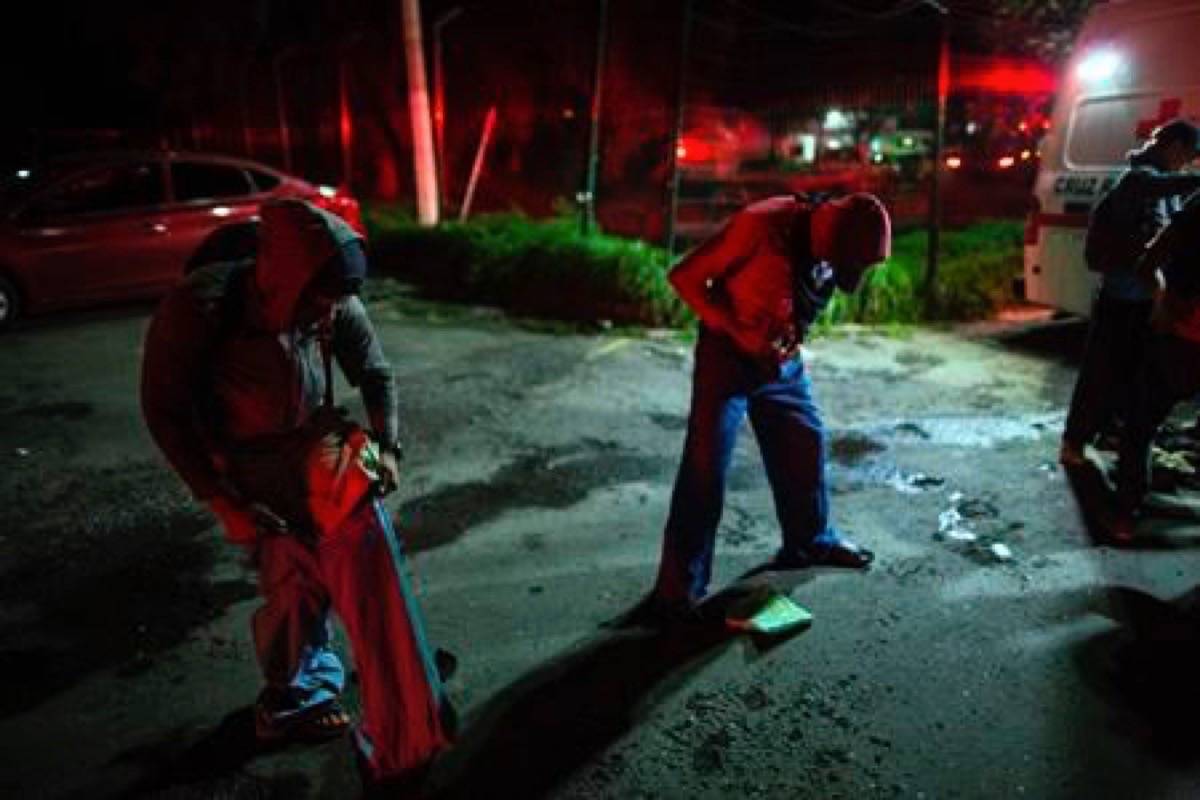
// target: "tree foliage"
[[1044, 29]]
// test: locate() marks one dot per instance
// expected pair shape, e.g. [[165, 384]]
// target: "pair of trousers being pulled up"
[[726, 386], [358, 572]]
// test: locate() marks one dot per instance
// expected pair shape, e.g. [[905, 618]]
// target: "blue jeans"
[[726, 385]]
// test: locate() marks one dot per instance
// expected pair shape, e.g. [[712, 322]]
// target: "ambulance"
[[1136, 64]]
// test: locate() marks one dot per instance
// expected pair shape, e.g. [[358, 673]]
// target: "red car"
[[124, 225]]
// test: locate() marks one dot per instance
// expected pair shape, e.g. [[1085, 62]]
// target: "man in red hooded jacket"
[[757, 285], [237, 393]]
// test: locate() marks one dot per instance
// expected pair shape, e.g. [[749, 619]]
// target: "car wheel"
[[10, 303]]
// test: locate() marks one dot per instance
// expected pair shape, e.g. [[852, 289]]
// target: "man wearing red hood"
[[237, 393], [757, 286]]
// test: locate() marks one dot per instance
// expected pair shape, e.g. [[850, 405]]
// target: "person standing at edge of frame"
[[1137, 207], [757, 286]]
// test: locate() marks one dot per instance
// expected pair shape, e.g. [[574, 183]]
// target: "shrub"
[[974, 278], [543, 269], [548, 269]]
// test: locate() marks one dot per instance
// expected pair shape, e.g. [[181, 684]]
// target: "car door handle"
[[154, 227]]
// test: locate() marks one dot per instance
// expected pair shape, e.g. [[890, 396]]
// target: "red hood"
[[296, 239]]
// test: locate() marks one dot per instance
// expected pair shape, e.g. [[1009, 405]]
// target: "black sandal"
[[321, 722]]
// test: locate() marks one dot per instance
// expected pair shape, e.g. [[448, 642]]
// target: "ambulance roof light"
[[1099, 66]]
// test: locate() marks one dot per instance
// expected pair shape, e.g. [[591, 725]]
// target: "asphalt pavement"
[[998, 647]]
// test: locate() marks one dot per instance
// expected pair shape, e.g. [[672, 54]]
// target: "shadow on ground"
[[542, 478], [1061, 340], [104, 569], [1146, 670], [558, 717], [213, 766]]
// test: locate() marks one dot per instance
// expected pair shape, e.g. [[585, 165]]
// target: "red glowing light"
[[1002, 75], [695, 151], [1004, 162], [953, 162]]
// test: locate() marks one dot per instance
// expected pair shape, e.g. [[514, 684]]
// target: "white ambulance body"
[[1136, 64]]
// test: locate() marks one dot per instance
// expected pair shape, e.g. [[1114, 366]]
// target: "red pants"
[[359, 571]]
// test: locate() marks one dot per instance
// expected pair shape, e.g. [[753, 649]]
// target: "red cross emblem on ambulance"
[[1167, 110]]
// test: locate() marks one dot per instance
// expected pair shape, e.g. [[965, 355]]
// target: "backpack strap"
[[325, 341]]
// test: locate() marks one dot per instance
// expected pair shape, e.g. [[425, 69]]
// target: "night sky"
[[85, 75]]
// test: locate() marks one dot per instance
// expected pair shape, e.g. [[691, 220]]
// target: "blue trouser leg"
[[718, 408], [320, 675], [791, 437]]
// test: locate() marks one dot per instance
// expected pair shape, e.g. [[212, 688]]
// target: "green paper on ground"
[[772, 614]]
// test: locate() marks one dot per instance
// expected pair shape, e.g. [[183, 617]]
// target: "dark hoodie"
[[1144, 199], [226, 365]]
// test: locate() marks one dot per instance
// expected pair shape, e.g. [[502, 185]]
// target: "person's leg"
[[404, 708], [791, 437], [1129, 353], [1170, 373], [292, 634], [699, 494], [1092, 400]]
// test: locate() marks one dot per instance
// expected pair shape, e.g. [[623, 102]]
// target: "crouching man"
[[757, 286], [237, 391]]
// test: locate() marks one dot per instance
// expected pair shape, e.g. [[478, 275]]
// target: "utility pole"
[[587, 198], [939, 132], [418, 110], [677, 132]]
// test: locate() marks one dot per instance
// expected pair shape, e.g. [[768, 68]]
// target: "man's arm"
[[360, 355], [698, 278], [176, 356], [1157, 252], [1165, 184]]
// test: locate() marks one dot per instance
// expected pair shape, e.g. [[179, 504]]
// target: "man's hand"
[[237, 520], [389, 471]]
